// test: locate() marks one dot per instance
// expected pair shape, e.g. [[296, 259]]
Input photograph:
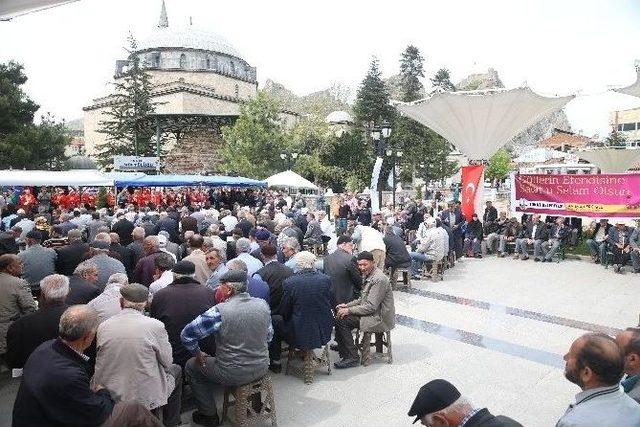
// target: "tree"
[[372, 98], [35, 147], [411, 70], [253, 144], [128, 129], [615, 140], [16, 109], [442, 80], [499, 165]]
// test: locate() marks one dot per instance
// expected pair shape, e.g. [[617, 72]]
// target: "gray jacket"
[[38, 262], [106, 267], [375, 307], [15, 301], [345, 277], [602, 407]]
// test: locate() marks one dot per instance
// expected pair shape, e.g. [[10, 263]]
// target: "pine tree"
[[372, 99], [442, 80], [411, 70], [128, 128]]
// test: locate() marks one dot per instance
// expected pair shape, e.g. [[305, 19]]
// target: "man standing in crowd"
[[178, 304], [134, 360], [373, 312], [274, 273], [29, 331], [439, 403], [38, 262], [15, 297], [124, 228], [629, 342], [596, 364], [71, 255], [242, 328], [341, 267], [135, 246]]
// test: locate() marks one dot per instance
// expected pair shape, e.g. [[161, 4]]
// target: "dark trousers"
[[344, 336], [619, 257], [171, 411], [282, 331]]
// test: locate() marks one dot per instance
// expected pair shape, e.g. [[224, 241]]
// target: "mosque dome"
[[189, 37], [80, 162], [339, 117]]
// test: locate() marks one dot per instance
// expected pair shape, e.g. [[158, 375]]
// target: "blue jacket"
[[306, 303], [613, 237]]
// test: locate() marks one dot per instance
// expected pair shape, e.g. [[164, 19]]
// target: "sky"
[[582, 47]]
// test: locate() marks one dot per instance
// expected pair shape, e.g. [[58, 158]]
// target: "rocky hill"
[[479, 81], [319, 103]]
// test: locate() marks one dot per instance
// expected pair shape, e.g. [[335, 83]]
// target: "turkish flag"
[[472, 190]]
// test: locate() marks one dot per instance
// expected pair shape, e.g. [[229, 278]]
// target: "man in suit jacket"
[[490, 213], [629, 342], [535, 234], [597, 241], [178, 304], [123, 227], [558, 234], [83, 283], [198, 258], [619, 240], [134, 357], [125, 253], [71, 255], [346, 281], [274, 273], [28, 332], [440, 403], [145, 269], [453, 218], [305, 319], [373, 312]]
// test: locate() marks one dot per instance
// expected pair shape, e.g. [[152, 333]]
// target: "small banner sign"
[[135, 163]]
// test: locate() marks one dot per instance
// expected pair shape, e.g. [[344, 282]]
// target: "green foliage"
[[615, 140], [499, 165], [16, 109], [253, 144], [35, 147], [128, 128], [442, 80], [372, 99], [411, 70], [102, 197]]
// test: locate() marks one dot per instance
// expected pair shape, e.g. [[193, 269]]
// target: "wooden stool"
[[437, 270], [311, 362], [365, 347], [243, 400], [393, 276]]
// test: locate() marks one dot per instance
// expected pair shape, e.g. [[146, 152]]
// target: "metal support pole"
[[393, 180], [158, 136]]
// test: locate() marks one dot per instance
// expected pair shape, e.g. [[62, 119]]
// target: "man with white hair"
[[82, 288], [28, 332], [163, 276], [290, 247], [243, 247], [100, 256], [440, 403], [107, 304], [305, 318], [134, 359], [431, 248]]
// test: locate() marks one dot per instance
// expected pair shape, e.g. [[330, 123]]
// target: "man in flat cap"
[[439, 403], [242, 328], [134, 358], [373, 312]]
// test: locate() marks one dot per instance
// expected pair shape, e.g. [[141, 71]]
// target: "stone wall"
[[196, 152]]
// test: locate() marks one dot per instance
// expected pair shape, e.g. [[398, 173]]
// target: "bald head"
[[602, 356], [151, 244], [138, 233], [196, 241], [115, 237], [78, 325]]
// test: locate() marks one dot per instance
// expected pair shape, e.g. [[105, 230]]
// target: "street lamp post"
[[394, 155], [289, 158], [380, 135]]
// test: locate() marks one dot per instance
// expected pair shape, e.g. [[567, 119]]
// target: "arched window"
[[237, 91], [233, 68], [156, 60], [183, 61], [208, 65]]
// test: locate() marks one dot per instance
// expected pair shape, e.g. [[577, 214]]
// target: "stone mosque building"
[[199, 83]]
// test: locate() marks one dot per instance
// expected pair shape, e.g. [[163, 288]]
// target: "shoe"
[[205, 420], [347, 363], [276, 368], [524, 258], [536, 259], [616, 268], [478, 256], [597, 261]]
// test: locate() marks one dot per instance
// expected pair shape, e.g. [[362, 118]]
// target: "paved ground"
[[497, 328]]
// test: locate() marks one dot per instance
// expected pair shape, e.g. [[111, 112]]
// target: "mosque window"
[[183, 61], [233, 68], [208, 63], [237, 91], [155, 60]]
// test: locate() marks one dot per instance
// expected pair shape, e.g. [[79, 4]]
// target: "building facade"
[[627, 122]]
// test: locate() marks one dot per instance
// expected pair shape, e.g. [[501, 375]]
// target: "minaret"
[[164, 21]]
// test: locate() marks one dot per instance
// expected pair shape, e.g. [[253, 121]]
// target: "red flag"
[[472, 190]]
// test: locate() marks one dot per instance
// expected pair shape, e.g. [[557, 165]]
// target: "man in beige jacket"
[[373, 312], [198, 258], [134, 358], [15, 296]]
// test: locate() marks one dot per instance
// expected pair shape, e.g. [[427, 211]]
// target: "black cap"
[[233, 276], [365, 255], [434, 396], [184, 267], [344, 239], [34, 234]]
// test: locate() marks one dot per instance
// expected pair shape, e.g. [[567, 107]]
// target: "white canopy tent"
[[478, 123], [633, 90], [12, 8], [40, 178], [611, 160], [290, 179]]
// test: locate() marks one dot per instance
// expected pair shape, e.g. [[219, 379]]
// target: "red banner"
[[472, 190], [604, 195]]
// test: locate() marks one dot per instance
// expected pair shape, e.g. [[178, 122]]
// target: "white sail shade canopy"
[[12, 8], [611, 160], [290, 179], [41, 178], [478, 123], [633, 90]]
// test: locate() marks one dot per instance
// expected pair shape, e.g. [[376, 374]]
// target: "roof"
[[290, 179], [564, 139], [339, 117], [188, 37]]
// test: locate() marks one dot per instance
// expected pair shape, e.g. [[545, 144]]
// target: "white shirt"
[[327, 228], [253, 264], [163, 281], [229, 222], [369, 239]]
